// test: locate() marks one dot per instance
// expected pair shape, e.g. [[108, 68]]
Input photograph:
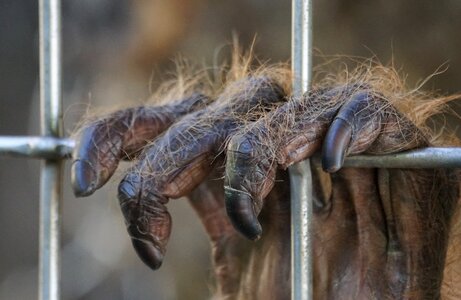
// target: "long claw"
[[239, 206], [335, 145]]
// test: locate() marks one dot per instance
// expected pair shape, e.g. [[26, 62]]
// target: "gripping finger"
[[368, 123], [351, 118], [249, 177], [287, 135], [104, 143], [178, 161]]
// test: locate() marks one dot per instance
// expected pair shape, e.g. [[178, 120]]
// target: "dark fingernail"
[[335, 145], [84, 178], [148, 253], [239, 206]]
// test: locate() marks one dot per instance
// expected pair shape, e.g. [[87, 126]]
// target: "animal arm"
[[378, 233]]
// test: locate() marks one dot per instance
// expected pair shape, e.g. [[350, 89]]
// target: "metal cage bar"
[[300, 173], [51, 127], [43, 147]]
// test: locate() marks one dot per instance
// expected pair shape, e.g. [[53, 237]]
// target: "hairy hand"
[[179, 150]]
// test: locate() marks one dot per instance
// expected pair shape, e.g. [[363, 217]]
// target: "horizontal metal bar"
[[431, 157], [421, 158], [424, 158], [36, 147]]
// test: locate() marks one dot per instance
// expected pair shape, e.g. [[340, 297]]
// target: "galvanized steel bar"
[[300, 173], [51, 126], [36, 147], [44, 147], [415, 159]]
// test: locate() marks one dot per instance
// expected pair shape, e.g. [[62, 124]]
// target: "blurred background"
[[113, 53]]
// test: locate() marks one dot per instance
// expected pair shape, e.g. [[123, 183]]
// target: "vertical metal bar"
[[300, 174], [51, 125]]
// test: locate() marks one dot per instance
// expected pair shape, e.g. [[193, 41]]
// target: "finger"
[[249, 177], [104, 143], [148, 222], [181, 159], [314, 114], [367, 123], [287, 135], [143, 200]]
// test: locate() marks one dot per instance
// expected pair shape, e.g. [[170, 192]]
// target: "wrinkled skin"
[[378, 233]]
